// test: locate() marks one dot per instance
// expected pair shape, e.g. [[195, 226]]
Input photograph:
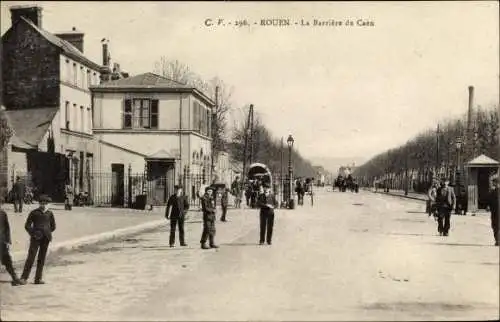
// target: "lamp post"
[[289, 142], [458, 145]]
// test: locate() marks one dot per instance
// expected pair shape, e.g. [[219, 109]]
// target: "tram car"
[[257, 175]]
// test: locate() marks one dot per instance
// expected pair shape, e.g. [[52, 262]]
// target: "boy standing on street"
[[40, 225]]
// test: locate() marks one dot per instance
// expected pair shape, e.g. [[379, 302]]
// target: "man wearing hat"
[[267, 203], [5, 243], [40, 225], [493, 205], [445, 203], [177, 206], [208, 208]]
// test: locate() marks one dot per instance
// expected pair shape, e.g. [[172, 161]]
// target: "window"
[[75, 117], [67, 114], [82, 119], [96, 79], [68, 71], [89, 120], [75, 75], [89, 78], [82, 77], [140, 113]]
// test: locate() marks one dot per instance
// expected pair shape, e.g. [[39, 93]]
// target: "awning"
[[161, 155], [482, 161]]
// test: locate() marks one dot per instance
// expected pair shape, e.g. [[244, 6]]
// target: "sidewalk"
[[401, 193], [83, 225]]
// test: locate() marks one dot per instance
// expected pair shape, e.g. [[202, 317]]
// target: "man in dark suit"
[[267, 203], [177, 206], [224, 202], [18, 194], [208, 208], [493, 204], [40, 224], [5, 243], [445, 202]]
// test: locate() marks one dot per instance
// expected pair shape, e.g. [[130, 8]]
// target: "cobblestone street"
[[352, 257]]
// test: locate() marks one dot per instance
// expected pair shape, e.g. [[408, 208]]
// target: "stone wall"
[[30, 69]]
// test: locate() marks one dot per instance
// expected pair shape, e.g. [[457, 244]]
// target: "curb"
[[93, 239], [401, 196]]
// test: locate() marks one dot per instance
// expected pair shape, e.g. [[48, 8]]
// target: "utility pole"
[[406, 172], [180, 139], [248, 140], [281, 172], [214, 131], [437, 151]]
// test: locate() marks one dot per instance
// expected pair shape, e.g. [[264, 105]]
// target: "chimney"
[[105, 52], [33, 13], [74, 37]]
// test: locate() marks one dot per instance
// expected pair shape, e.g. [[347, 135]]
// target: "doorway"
[[483, 186], [117, 184]]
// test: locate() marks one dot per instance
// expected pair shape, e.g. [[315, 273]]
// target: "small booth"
[[478, 171]]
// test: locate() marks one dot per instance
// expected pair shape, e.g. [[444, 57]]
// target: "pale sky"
[[340, 91]]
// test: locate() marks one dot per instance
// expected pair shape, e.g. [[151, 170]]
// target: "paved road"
[[352, 257]]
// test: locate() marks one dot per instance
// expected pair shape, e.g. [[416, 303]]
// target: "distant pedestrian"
[[236, 192], [431, 198], [208, 208], [18, 192], [248, 193], [40, 225], [493, 199], [445, 203], [69, 197], [177, 206], [5, 242], [224, 202], [267, 203]]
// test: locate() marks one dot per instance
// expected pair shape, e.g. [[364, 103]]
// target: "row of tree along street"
[[438, 151], [264, 147]]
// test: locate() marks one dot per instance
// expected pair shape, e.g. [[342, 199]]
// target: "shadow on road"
[[241, 244], [415, 212], [403, 234], [464, 245], [418, 306], [410, 220]]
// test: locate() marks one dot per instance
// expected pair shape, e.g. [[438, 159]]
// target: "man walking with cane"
[[445, 202], [177, 206]]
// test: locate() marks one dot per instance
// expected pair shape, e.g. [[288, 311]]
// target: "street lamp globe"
[[290, 141]]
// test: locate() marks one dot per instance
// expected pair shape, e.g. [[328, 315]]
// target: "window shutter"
[[154, 114], [127, 109]]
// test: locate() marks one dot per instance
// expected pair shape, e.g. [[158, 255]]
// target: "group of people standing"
[[178, 205], [40, 224], [442, 201]]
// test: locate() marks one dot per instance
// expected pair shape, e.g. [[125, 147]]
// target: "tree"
[[6, 131]]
